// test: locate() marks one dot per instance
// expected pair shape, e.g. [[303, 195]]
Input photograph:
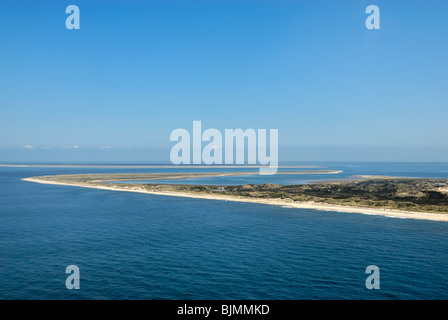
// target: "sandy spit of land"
[[279, 202], [143, 166]]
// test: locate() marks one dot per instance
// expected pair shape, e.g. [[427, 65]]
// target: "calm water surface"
[[139, 246]]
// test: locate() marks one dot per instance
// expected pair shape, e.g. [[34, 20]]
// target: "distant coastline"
[[145, 166], [96, 181]]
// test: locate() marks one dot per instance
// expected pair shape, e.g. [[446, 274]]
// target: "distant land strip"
[[147, 166], [408, 198]]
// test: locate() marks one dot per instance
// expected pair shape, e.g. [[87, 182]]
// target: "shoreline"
[[164, 166], [392, 213]]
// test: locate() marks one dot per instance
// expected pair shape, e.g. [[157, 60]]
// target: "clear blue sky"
[[136, 70]]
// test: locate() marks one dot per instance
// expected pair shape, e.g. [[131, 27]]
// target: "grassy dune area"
[[387, 193]]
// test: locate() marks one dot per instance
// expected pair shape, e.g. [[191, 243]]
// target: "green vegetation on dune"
[[408, 194]]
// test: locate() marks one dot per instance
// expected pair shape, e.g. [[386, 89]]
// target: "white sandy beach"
[[279, 202]]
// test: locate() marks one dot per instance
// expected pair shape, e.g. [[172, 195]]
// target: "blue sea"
[[140, 246]]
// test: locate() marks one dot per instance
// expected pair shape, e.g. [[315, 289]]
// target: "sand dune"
[[278, 202]]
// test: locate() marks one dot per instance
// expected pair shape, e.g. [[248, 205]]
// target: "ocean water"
[[139, 246]]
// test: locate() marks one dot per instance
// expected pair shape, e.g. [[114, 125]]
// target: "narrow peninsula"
[[415, 198]]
